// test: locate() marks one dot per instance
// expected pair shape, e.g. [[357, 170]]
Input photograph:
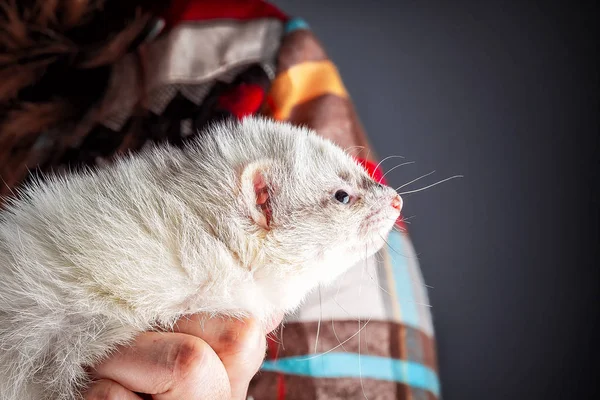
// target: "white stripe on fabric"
[[195, 52], [354, 295], [419, 290]]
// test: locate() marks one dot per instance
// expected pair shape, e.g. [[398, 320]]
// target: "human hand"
[[216, 361]]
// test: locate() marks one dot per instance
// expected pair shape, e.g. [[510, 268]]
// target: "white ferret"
[[244, 221]]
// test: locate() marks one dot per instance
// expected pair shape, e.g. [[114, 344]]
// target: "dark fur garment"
[[54, 58]]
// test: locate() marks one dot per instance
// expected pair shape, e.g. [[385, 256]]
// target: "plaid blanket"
[[370, 334]]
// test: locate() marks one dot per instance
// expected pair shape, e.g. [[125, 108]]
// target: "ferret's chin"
[[378, 225], [375, 239]]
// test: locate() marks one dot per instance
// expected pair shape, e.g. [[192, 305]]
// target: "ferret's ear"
[[257, 192]]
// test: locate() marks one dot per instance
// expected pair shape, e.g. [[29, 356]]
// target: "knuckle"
[[242, 337], [246, 342], [183, 360]]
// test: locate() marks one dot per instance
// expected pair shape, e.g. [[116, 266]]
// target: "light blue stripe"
[[403, 280], [295, 24], [346, 365]]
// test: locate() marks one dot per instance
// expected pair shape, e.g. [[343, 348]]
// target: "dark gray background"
[[504, 93]]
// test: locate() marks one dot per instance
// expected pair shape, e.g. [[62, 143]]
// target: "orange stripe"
[[301, 83]]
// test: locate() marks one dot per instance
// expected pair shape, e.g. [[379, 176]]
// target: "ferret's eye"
[[342, 197]]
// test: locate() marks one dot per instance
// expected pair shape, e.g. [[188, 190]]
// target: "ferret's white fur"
[[90, 259]]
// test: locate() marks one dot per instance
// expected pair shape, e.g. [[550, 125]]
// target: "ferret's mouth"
[[380, 222], [383, 217], [376, 226]]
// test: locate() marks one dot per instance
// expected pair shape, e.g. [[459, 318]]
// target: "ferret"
[[245, 220]]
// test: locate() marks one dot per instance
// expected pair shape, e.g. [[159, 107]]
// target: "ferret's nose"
[[397, 202]]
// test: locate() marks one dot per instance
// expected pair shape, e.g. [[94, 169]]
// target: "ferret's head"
[[309, 209]]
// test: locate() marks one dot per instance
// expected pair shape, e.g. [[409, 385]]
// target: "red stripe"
[[272, 354], [173, 15], [272, 349], [377, 174], [204, 10], [242, 100], [280, 387]]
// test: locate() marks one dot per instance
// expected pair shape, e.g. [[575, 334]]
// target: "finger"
[[240, 344], [170, 366], [105, 389]]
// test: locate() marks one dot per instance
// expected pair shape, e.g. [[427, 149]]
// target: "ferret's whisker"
[[273, 337], [375, 281], [360, 364], [396, 219], [362, 148], [414, 180], [359, 361], [337, 293], [432, 185], [320, 318], [367, 340], [282, 326], [389, 294], [385, 159], [391, 247], [378, 285], [340, 306], [339, 345], [422, 283], [336, 335], [421, 304], [399, 230], [393, 168], [362, 271], [359, 341], [354, 147]]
